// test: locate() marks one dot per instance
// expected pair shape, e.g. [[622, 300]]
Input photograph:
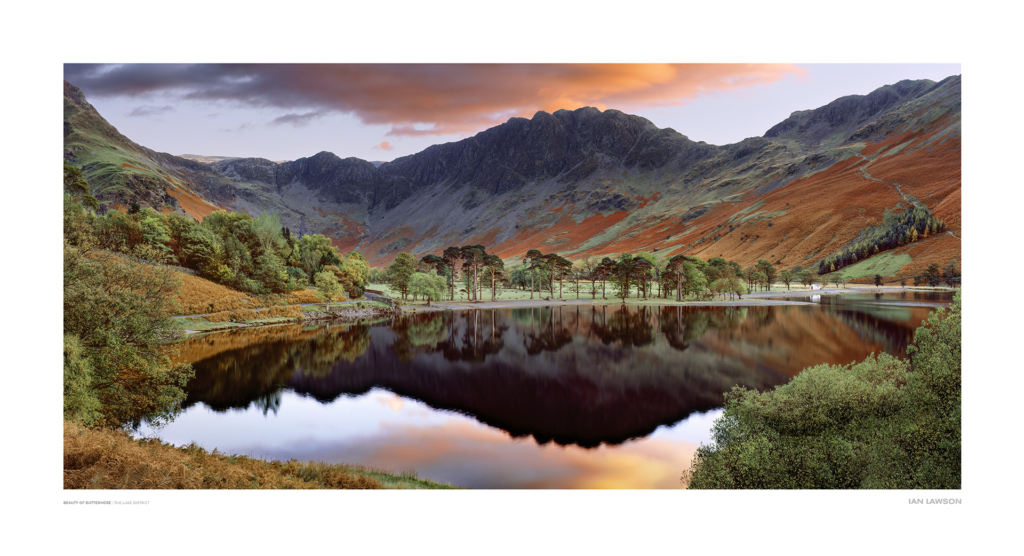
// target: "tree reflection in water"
[[572, 375]]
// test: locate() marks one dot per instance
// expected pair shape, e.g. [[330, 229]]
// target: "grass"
[[198, 295], [200, 324], [354, 305], [104, 459], [251, 315], [201, 296], [885, 263]]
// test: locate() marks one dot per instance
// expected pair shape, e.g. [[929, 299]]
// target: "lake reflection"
[[552, 386]]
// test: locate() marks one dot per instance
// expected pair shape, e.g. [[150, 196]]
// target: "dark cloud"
[[297, 120], [236, 129], [448, 98], [143, 111]]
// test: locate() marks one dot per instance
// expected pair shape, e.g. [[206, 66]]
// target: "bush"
[[119, 311], [270, 271], [251, 286], [328, 284], [80, 402], [297, 278], [881, 423]]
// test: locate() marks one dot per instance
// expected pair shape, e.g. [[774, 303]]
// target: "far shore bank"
[[757, 299], [339, 313]]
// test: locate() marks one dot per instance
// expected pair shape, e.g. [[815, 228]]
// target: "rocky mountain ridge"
[[602, 180]]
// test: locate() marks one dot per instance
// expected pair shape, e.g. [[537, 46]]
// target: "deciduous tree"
[[400, 273], [430, 285], [787, 277]]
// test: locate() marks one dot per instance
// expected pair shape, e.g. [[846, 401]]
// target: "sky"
[[530, 31], [385, 111]]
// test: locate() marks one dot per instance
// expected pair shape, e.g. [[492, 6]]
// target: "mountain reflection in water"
[[582, 375]]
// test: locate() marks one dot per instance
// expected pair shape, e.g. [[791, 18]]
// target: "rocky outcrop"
[[532, 178]]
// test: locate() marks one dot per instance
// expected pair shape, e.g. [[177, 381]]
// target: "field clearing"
[[886, 264]]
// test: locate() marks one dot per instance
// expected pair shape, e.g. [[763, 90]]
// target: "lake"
[[545, 397]]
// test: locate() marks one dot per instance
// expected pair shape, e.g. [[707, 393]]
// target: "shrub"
[[328, 284], [297, 279], [881, 423], [270, 271], [119, 311], [80, 402]]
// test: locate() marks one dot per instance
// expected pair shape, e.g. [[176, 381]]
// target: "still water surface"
[[552, 397]]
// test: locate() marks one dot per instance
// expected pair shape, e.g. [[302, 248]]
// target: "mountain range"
[[585, 182]]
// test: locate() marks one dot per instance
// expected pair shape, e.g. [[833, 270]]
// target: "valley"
[[584, 182]]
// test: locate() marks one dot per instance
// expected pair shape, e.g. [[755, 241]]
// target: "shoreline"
[[337, 313], [758, 299]]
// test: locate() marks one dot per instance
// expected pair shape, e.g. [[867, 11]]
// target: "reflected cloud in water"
[[537, 397], [399, 434]]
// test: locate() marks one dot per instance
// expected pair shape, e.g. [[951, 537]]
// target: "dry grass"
[[97, 459], [296, 297], [199, 295], [191, 203]]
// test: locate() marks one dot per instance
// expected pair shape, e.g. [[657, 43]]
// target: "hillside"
[[588, 182]]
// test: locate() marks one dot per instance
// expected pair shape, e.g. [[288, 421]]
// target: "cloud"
[[297, 120], [385, 146], [427, 99], [237, 129], [143, 111]]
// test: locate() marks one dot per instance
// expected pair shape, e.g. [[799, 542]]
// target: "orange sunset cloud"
[[431, 99], [646, 463]]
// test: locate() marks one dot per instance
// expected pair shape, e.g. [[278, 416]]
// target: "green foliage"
[[79, 224], [428, 285], [787, 277], [270, 271], [154, 234], [494, 271], [886, 263], [897, 229], [931, 435], [229, 248], [687, 275], [472, 260], [76, 186], [297, 279], [203, 251], [729, 285], [80, 402], [880, 423], [267, 227], [768, 270], [314, 251], [119, 311], [933, 275], [356, 271], [328, 285], [400, 273]]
